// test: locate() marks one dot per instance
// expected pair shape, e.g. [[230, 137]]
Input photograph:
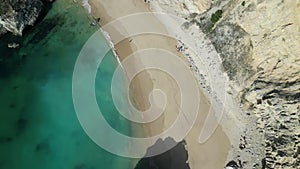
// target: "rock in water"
[[2, 30], [13, 45], [15, 15]]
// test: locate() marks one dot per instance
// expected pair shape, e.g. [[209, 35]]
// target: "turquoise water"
[[38, 124]]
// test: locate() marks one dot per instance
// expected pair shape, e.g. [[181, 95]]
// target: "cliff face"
[[184, 8], [15, 15], [259, 43]]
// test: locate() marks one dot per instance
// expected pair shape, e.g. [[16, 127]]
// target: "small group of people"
[[96, 20], [180, 46]]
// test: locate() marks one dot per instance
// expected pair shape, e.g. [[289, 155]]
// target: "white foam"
[[87, 6], [112, 46]]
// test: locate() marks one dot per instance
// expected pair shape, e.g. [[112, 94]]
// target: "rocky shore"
[[16, 15], [258, 44]]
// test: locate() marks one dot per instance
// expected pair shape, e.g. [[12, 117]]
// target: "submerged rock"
[[43, 147], [5, 140], [21, 124]]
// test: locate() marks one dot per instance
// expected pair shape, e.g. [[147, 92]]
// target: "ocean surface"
[[39, 128]]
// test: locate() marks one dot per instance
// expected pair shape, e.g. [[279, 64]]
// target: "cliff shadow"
[[174, 158]]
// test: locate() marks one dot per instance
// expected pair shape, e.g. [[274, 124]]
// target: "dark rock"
[[45, 28], [281, 153], [43, 146], [263, 163], [21, 124], [83, 166], [242, 146], [12, 105], [174, 158], [2, 30], [80, 166], [232, 164], [282, 126], [259, 101], [18, 14]]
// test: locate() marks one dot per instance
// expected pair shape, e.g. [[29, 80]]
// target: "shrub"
[[243, 3], [215, 17]]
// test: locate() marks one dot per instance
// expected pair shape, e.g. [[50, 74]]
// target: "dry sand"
[[210, 155]]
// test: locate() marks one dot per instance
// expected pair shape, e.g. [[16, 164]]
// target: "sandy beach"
[[210, 155]]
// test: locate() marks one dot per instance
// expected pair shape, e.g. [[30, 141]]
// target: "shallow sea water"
[[38, 124]]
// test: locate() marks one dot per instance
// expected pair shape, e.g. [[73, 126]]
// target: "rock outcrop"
[[259, 43], [184, 8], [15, 15]]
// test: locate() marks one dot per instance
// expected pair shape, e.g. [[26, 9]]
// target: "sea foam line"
[[112, 46], [87, 6]]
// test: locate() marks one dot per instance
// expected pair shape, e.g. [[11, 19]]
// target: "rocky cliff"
[[15, 15], [259, 43]]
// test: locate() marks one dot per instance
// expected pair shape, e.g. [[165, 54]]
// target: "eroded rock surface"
[[15, 15], [259, 43]]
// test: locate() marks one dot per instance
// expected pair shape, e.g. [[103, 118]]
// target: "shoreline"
[[112, 46], [195, 150]]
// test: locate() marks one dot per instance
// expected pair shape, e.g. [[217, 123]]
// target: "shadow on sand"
[[175, 158]]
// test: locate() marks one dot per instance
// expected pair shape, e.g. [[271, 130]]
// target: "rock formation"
[[259, 45], [15, 15], [259, 42]]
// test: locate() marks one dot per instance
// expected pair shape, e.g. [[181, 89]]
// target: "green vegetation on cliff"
[[215, 17]]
